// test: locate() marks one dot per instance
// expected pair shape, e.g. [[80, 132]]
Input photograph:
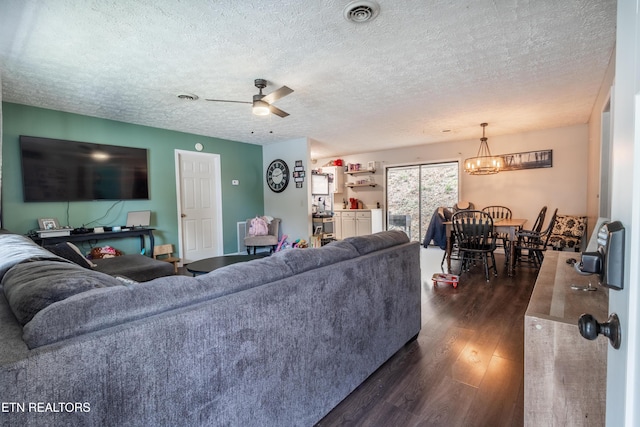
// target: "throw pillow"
[[70, 252], [79, 252]]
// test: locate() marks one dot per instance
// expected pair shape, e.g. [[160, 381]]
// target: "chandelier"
[[483, 163]]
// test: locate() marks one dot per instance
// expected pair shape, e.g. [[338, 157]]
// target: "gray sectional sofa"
[[277, 341]]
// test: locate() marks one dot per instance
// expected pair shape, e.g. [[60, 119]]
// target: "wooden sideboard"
[[565, 375]]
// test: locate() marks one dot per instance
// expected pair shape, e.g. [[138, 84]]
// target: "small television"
[[55, 170]]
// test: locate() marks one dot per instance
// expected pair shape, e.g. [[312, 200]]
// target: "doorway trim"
[[218, 199], [606, 138]]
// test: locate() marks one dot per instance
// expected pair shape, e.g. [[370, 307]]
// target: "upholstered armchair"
[[271, 239]]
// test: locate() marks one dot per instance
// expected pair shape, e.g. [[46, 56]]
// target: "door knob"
[[590, 328], [183, 215]]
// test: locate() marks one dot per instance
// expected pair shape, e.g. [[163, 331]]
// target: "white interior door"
[[623, 365], [199, 193]]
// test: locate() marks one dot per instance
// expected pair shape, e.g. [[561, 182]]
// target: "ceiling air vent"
[[361, 11]]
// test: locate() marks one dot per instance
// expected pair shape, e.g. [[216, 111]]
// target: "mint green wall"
[[238, 161]]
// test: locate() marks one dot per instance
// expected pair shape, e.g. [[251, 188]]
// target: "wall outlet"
[[235, 182]]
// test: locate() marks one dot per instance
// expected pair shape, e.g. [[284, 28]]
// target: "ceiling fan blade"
[[277, 111], [277, 94], [226, 100]]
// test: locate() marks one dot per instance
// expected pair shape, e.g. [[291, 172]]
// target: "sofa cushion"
[[15, 248], [69, 251], [134, 266], [300, 260], [33, 285], [377, 241]]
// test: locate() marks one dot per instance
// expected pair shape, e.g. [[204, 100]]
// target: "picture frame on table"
[[48, 223]]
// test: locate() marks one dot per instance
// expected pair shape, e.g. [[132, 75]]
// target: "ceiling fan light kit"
[[260, 108], [483, 163], [261, 104]]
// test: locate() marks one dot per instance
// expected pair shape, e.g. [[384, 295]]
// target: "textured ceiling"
[[417, 69]]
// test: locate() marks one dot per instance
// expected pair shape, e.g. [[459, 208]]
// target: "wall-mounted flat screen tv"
[[55, 170]]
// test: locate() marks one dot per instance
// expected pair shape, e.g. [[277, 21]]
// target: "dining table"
[[509, 226]]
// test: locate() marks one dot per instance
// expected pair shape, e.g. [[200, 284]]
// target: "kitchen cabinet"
[[337, 217], [363, 223], [348, 224], [359, 222], [336, 182]]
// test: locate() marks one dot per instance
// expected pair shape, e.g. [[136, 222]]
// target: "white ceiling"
[[420, 67]]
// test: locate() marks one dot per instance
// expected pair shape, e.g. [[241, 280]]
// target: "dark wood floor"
[[465, 369]]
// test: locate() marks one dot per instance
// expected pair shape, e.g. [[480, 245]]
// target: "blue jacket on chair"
[[437, 230]]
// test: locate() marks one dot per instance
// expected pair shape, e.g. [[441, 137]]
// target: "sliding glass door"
[[415, 192]]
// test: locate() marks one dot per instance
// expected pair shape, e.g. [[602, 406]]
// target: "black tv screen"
[[55, 170]]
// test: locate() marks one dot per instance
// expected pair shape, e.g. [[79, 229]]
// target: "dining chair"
[[534, 243], [463, 205], [500, 212], [537, 226], [474, 235]]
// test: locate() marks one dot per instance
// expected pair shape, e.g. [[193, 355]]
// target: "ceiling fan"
[[262, 103]]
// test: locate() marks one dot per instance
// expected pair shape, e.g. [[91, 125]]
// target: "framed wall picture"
[[528, 160], [298, 174]]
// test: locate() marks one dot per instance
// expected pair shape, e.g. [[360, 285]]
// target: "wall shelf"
[[360, 172], [373, 184]]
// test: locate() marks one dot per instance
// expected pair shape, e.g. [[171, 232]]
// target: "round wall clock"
[[278, 175]]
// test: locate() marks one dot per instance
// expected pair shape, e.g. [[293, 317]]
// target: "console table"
[[565, 375], [140, 232]]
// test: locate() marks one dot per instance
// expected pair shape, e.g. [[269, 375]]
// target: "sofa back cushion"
[[377, 241], [31, 286], [301, 260], [98, 309]]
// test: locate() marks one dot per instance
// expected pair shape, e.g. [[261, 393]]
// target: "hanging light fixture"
[[483, 163]]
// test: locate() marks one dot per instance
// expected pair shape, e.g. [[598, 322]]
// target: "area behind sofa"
[[277, 341]]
